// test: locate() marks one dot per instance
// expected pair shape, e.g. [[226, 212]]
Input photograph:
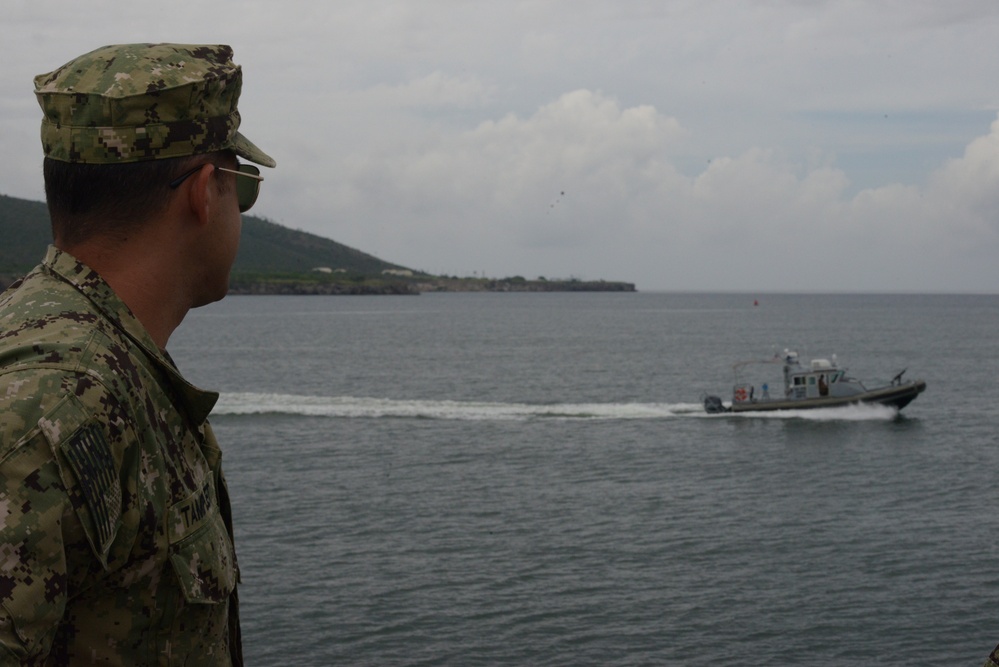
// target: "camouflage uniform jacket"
[[115, 530]]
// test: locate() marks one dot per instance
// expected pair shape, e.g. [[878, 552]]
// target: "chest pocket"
[[200, 549]]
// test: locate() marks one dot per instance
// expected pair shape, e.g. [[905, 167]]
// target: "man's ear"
[[201, 194]]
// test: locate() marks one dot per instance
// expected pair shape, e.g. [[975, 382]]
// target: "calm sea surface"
[[529, 479]]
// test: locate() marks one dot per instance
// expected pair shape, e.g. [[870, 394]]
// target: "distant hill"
[[25, 232], [277, 260], [264, 247], [267, 247]]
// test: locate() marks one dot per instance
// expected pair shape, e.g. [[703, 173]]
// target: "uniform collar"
[[199, 403]]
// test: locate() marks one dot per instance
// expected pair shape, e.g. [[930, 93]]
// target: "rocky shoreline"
[[473, 285], [411, 288], [418, 286], [322, 289]]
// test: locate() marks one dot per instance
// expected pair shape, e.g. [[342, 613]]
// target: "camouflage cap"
[[136, 102]]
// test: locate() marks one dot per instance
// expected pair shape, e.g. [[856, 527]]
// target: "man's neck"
[[148, 282]]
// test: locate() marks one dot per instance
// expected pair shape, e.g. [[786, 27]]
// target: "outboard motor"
[[713, 405]]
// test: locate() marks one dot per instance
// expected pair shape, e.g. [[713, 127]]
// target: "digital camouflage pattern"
[[135, 102], [115, 529]]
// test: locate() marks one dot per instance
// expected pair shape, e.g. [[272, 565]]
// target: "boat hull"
[[896, 396]]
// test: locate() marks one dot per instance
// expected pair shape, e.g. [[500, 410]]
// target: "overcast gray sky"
[[754, 145]]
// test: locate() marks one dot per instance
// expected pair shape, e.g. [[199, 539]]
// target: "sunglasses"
[[247, 188]]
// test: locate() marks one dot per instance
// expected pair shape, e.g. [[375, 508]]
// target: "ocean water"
[[529, 479]]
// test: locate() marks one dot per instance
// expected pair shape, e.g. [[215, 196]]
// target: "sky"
[[701, 145]]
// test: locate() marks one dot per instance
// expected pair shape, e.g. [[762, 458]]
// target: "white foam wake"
[[351, 406], [856, 412], [362, 407]]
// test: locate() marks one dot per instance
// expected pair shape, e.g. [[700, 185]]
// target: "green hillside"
[[264, 248], [24, 234], [277, 260]]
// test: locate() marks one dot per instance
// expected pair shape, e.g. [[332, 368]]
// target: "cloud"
[[515, 177], [768, 144], [586, 186], [436, 90], [968, 188]]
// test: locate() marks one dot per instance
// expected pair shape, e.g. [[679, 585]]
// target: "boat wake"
[[347, 407], [855, 412]]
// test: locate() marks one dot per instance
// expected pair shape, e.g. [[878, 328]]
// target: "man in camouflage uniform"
[[115, 527]]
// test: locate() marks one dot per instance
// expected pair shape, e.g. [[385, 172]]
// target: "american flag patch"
[[89, 454]]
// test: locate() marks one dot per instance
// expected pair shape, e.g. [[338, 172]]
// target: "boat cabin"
[[821, 379], [814, 382]]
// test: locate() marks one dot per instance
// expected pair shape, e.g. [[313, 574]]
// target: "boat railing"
[[739, 367]]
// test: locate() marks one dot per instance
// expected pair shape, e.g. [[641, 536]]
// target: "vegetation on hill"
[[25, 230], [266, 247], [274, 259]]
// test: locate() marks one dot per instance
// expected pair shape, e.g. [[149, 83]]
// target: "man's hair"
[[88, 201]]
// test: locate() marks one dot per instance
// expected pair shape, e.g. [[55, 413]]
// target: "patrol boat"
[[822, 384]]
